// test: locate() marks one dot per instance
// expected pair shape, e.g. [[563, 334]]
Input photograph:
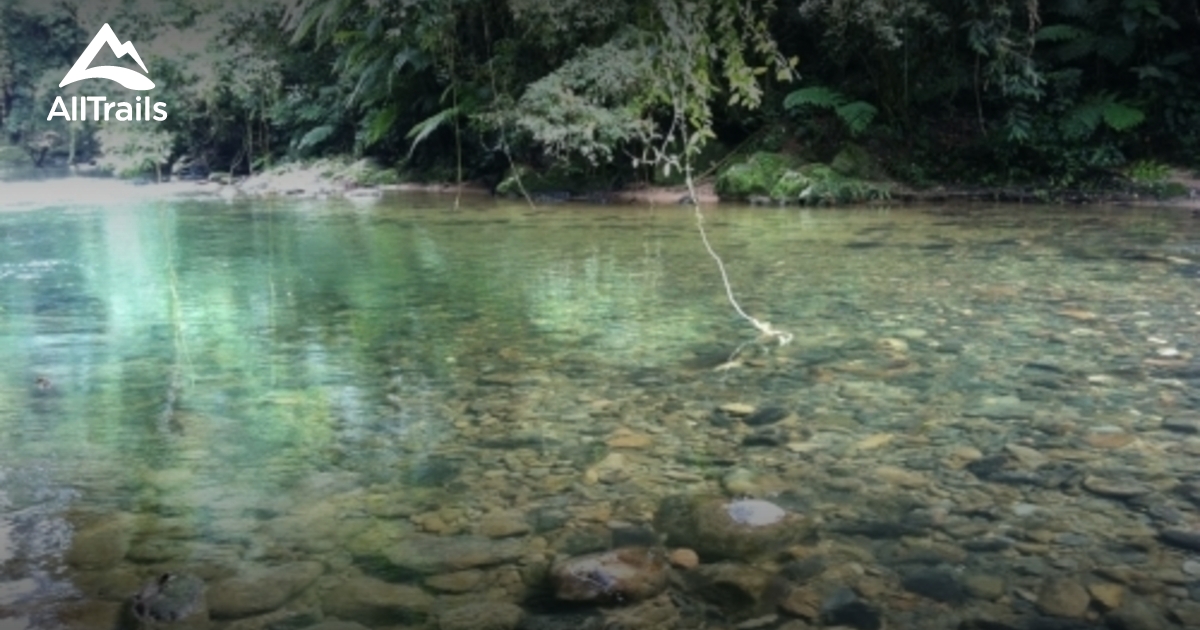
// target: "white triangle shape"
[[130, 79]]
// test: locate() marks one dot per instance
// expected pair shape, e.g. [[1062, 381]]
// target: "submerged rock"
[[170, 597], [261, 589], [101, 545], [620, 575], [482, 616], [428, 555], [374, 601], [717, 528]]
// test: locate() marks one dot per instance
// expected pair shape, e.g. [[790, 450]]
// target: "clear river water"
[[399, 414]]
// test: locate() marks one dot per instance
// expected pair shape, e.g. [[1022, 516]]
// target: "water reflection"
[[217, 379]]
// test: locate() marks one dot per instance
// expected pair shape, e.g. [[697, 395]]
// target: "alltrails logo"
[[130, 79]]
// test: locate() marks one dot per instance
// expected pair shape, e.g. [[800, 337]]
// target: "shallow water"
[[210, 388]]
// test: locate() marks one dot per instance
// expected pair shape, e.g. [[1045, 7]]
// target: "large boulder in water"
[[621, 575], [718, 528]]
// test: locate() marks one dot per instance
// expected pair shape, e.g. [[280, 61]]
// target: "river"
[[988, 414]]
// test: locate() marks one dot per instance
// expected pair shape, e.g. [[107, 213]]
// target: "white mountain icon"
[[130, 79]]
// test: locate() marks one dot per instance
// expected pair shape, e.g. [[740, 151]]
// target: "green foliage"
[[782, 179], [828, 187], [132, 150], [756, 175], [1147, 171], [1083, 119], [1055, 93], [856, 115]]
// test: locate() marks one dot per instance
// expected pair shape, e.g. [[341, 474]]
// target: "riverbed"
[[399, 413]]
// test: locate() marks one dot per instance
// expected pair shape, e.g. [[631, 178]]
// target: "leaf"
[[1082, 120], [425, 128], [1060, 33], [380, 123], [857, 115], [817, 96], [1122, 117], [315, 136]]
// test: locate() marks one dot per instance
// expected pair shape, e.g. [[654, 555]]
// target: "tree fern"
[[856, 115]]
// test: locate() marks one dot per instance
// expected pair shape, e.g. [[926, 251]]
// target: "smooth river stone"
[[261, 589], [372, 600], [429, 555], [620, 575], [482, 616], [717, 528], [1114, 489], [102, 545]]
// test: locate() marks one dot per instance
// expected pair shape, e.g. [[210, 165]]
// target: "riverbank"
[[319, 182]]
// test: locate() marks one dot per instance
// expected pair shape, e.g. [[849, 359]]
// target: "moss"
[[790, 185], [757, 175], [830, 188]]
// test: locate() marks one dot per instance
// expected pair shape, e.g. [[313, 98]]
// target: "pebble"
[[1108, 595], [683, 558], [987, 587], [766, 415], [935, 584], [1182, 424], [737, 409], [482, 616], [1063, 597], [1114, 489], [624, 438], [1183, 538], [1108, 441], [900, 477], [503, 524]]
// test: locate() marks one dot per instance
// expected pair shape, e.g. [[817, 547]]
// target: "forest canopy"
[[1059, 92]]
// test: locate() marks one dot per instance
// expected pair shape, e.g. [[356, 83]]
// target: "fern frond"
[[380, 123], [857, 115], [315, 136], [1060, 33], [1082, 120], [1122, 117], [816, 96], [425, 128]]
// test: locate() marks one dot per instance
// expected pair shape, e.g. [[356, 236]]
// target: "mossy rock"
[[790, 185], [756, 175]]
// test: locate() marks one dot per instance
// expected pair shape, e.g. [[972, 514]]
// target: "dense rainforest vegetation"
[[1053, 93]]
